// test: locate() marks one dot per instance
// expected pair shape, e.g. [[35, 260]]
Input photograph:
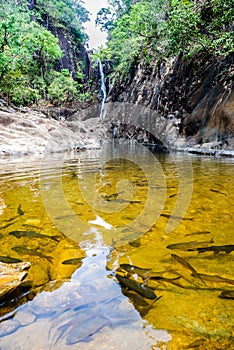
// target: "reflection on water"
[[119, 212]]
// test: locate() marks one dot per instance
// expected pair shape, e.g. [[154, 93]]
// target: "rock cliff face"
[[193, 96], [75, 54]]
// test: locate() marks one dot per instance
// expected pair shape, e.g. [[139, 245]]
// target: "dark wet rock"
[[194, 96], [75, 54]]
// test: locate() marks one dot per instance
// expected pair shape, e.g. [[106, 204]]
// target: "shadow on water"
[[115, 284]]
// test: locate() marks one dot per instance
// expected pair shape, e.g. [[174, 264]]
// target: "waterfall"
[[103, 89]]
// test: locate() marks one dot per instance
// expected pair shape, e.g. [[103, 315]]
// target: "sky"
[[96, 37]]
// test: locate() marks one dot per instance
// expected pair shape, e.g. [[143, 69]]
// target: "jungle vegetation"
[[145, 29], [29, 51], [137, 30]]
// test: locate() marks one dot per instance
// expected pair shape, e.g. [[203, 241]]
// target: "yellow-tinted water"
[[119, 205]]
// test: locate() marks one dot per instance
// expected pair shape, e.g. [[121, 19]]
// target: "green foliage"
[[28, 52], [62, 87], [140, 29], [200, 25], [67, 13], [134, 32], [182, 27], [107, 16]]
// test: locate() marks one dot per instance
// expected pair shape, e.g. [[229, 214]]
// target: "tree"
[[28, 51], [107, 16], [143, 29]]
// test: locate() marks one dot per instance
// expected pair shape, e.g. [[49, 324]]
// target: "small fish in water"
[[197, 233], [112, 197], [173, 195], [213, 278], [121, 200], [227, 294], [189, 246], [74, 261], [217, 249], [20, 210], [165, 279], [140, 271], [9, 260], [144, 311], [183, 262], [168, 216], [7, 225], [32, 234], [136, 243], [195, 344], [25, 251], [217, 191], [141, 289], [144, 273]]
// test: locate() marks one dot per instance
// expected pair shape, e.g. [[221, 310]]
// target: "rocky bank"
[[33, 132]]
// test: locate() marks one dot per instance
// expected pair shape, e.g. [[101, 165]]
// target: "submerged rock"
[[11, 276]]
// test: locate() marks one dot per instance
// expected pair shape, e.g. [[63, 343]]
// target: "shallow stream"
[[102, 275]]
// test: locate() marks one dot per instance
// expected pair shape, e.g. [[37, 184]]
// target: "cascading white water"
[[103, 89]]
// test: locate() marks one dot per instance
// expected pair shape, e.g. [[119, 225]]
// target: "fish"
[[213, 278], [168, 216], [32, 234], [121, 200], [164, 279], [7, 225], [144, 310], [9, 260], [74, 261], [183, 262], [140, 289], [20, 210], [136, 243], [195, 344], [228, 248], [11, 219], [173, 195], [112, 197], [217, 191], [227, 294], [26, 251], [197, 233], [140, 271], [189, 246]]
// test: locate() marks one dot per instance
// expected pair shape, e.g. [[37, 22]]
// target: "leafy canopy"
[[142, 29], [28, 51]]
